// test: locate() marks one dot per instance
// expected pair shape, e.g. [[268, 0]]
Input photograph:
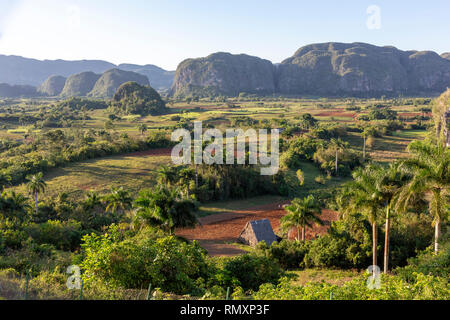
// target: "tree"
[[4, 181], [366, 197], [440, 106], [391, 180], [186, 176], [92, 200], [167, 175], [307, 121], [36, 185], [143, 128], [14, 205], [338, 145], [367, 135], [301, 214], [430, 166], [301, 177], [164, 208], [118, 199]]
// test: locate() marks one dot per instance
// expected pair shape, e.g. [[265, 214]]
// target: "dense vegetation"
[[392, 215]]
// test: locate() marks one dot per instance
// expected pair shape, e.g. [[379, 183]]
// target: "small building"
[[257, 231]]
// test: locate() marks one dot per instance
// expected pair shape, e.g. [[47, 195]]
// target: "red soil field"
[[219, 231]]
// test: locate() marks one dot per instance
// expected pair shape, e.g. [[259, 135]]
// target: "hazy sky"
[[166, 32]]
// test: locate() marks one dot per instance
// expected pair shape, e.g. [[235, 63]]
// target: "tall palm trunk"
[[336, 161], [386, 240], [437, 208], [364, 149], [196, 176], [37, 202], [298, 234], [437, 234], [303, 234], [374, 243]]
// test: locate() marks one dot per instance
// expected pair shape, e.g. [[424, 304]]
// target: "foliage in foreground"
[[422, 287]]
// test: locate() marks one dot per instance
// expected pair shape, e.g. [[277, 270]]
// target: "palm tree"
[[186, 175], [367, 132], [14, 205], [118, 199], [430, 166], [374, 191], [164, 208], [301, 213], [367, 197], [166, 175], [36, 185], [4, 181], [92, 200], [391, 180], [338, 145]]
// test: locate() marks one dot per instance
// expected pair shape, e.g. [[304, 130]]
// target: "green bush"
[[428, 263], [166, 263], [63, 235], [289, 254], [249, 271]]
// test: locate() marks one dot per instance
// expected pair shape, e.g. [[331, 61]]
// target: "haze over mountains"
[[325, 69]]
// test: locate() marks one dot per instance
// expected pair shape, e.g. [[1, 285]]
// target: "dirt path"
[[218, 232]]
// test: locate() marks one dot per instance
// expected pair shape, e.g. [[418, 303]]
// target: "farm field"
[[218, 233], [133, 171]]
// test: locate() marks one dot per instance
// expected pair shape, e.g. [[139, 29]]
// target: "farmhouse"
[[257, 231]]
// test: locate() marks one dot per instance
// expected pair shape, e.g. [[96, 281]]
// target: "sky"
[[167, 32]]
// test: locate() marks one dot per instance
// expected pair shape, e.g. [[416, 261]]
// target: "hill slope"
[[53, 86], [360, 68], [159, 78], [107, 85], [224, 73], [326, 69], [79, 85]]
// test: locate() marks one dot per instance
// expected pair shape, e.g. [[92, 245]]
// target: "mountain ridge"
[[323, 69], [18, 70]]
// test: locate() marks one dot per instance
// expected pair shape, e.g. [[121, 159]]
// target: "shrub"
[[289, 254], [249, 271], [166, 263], [427, 263], [63, 235]]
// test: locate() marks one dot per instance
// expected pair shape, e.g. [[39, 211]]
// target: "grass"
[[233, 205], [131, 172]]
